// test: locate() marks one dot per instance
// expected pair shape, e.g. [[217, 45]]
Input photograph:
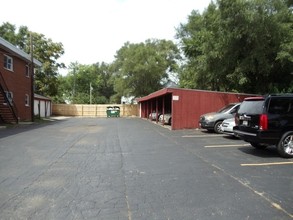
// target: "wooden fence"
[[92, 110]]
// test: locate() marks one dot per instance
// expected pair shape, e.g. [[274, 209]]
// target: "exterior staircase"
[[8, 111]]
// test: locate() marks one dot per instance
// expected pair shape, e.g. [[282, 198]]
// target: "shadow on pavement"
[[269, 152], [9, 130]]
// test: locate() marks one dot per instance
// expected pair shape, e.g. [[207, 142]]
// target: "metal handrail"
[[10, 103]]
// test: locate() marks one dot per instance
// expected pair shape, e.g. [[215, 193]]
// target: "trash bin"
[[113, 111], [109, 109], [117, 111]]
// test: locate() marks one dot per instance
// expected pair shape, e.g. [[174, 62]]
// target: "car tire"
[[285, 145], [217, 127], [258, 146]]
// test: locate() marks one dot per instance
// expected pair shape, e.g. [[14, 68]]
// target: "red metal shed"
[[186, 105]]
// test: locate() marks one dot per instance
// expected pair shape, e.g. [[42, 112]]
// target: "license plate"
[[245, 123]]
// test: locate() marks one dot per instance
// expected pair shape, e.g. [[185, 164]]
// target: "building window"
[[9, 96], [27, 100], [8, 62], [27, 71]]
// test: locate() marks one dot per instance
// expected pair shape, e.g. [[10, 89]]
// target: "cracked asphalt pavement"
[[130, 168]]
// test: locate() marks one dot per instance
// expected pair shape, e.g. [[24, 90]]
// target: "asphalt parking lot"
[[130, 168]]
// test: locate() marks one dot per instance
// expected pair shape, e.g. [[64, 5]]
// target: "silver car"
[[212, 121], [154, 116], [227, 126], [166, 118]]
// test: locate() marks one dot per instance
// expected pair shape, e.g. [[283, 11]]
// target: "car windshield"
[[251, 107], [226, 108]]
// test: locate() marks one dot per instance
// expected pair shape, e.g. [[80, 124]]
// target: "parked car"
[[154, 116], [227, 126], [212, 121], [264, 121], [166, 118]]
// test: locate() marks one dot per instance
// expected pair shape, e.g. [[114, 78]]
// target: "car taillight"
[[263, 122]]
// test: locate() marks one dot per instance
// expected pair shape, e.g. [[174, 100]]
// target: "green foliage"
[[8, 32], [61, 95], [44, 50], [83, 78], [239, 45], [142, 68]]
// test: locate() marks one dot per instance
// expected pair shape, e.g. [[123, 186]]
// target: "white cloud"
[[93, 30]]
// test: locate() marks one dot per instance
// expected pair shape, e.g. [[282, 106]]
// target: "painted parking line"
[[266, 164], [202, 135], [227, 145]]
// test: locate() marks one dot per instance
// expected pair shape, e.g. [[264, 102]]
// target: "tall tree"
[[242, 45], [142, 68], [8, 32], [85, 80], [104, 80], [44, 50]]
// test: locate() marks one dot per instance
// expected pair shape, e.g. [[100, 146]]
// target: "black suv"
[[264, 121]]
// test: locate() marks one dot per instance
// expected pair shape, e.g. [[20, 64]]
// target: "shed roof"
[[18, 52], [40, 97], [171, 90], [156, 94]]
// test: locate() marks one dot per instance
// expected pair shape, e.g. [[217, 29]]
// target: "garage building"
[[42, 106], [186, 105]]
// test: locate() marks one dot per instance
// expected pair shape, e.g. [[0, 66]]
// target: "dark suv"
[[264, 121]]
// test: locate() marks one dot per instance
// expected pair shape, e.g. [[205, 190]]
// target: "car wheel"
[[285, 146], [169, 121], [217, 127], [258, 146]]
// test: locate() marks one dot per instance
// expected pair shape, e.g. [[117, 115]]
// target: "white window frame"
[[8, 62], [9, 96], [27, 70], [27, 100]]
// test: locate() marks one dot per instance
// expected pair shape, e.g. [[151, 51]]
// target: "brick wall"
[[18, 83]]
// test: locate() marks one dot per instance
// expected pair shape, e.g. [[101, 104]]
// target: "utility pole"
[[73, 92], [91, 88], [32, 78]]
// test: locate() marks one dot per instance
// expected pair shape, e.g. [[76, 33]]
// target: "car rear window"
[[251, 107], [226, 108], [281, 105]]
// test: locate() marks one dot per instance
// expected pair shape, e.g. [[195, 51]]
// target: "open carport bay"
[[129, 168]]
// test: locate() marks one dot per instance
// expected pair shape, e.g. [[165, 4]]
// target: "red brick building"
[[15, 83]]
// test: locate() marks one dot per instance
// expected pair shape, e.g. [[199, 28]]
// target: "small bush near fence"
[[92, 110]]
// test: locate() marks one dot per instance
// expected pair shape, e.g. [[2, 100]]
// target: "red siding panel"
[[188, 105]]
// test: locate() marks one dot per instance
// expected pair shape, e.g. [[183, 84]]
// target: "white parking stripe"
[[227, 145], [204, 135], [267, 164]]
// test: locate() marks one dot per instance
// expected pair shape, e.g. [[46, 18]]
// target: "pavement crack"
[[122, 156]]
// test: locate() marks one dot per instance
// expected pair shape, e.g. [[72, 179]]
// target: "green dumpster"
[[109, 109], [117, 111], [113, 111]]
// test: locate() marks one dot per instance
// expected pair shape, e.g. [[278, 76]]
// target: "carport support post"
[[151, 111], [157, 110], [163, 111], [146, 106]]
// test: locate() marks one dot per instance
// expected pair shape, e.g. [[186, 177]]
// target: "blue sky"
[[93, 30]]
